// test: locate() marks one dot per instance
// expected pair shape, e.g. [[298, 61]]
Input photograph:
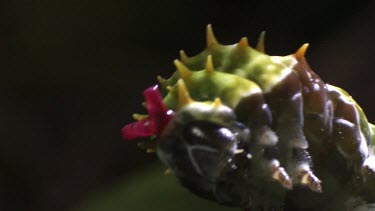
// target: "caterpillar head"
[[201, 141]]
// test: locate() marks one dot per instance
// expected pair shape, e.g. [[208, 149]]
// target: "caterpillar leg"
[[301, 171], [310, 180], [287, 106], [280, 175], [264, 139]]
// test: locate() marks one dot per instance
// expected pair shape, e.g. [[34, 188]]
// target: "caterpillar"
[[260, 132]]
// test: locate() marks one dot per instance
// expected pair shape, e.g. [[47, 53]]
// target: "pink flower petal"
[[159, 117]]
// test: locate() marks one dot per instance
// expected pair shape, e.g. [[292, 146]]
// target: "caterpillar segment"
[[260, 132]]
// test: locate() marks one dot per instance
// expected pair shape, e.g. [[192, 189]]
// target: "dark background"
[[72, 73]]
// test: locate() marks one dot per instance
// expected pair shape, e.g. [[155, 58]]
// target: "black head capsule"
[[201, 151], [210, 147]]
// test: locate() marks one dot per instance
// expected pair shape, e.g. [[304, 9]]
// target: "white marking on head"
[[191, 157], [296, 96], [198, 132]]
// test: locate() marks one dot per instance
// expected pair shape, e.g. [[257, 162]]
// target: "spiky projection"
[[262, 132]]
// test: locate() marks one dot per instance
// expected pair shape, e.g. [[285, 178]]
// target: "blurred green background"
[[72, 73]]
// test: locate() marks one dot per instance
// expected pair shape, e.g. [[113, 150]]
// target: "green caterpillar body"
[[265, 132]]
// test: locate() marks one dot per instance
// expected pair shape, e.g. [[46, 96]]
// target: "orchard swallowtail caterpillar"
[[260, 132]]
